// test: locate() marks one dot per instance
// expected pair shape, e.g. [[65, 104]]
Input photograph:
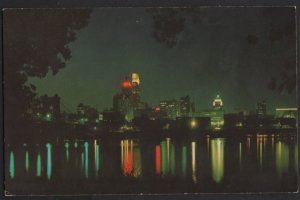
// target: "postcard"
[[150, 100]]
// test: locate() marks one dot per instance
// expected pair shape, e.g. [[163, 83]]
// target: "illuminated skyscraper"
[[261, 109], [135, 80], [286, 113], [171, 107], [128, 100], [218, 103], [185, 106]]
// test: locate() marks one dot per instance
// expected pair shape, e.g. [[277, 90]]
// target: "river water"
[[254, 163]]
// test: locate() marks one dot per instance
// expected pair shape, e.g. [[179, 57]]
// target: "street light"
[[193, 123]]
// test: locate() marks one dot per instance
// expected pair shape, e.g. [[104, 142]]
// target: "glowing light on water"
[[260, 153], [282, 158], [49, 161], [137, 164], [67, 150], [163, 158], [38, 165], [217, 158], [167, 157], [86, 159], [95, 152], [97, 158], [248, 143], [240, 154], [11, 165], [184, 160], [208, 142], [194, 177], [75, 144], [131, 159], [82, 160], [27, 161], [157, 159], [122, 153]]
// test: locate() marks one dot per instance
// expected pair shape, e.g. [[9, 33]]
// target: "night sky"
[[226, 51]]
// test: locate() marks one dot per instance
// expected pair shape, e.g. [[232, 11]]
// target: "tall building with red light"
[[128, 100], [126, 85]]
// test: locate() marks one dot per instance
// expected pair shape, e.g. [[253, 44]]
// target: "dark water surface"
[[254, 163]]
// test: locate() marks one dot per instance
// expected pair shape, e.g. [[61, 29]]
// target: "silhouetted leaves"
[[35, 41], [167, 25], [286, 79]]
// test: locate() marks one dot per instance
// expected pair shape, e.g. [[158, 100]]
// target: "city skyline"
[[237, 65], [150, 100]]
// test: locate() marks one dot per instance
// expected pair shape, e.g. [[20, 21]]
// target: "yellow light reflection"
[[194, 177], [130, 158], [282, 158], [217, 157]]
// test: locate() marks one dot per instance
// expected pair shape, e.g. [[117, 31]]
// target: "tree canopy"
[[35, 42], [169, 23]]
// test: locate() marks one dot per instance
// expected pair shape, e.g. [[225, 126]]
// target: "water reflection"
[[217, 159], [86, 159], [96, 158], [130, 158], [49, 161], [27, 161], [282, 158], [240, 154], [67, 150], [38, 165], [194, 177], [199, 161], [167, 157], [11, 165], [184, 161], [157, 160]]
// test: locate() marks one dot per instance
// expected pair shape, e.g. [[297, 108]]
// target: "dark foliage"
[[169, 23], [35, 42]]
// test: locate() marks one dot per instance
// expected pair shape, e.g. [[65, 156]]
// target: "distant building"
[[216, 114], [286, 117], [185, 106], [286, 113], [87, 114], [177, 108], [128, 100], [171, 108], [261, 109], [218, 103]]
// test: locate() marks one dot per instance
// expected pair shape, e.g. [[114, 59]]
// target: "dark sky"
[[228, 51]]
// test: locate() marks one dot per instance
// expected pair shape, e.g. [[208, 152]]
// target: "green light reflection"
[[11, 165], [49, 161], [86, 159], [38, 165], [67, 150], [27, 161]]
